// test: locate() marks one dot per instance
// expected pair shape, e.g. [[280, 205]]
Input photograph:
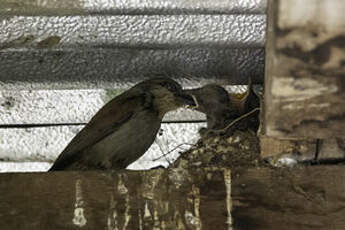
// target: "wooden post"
[[305, 78], [305, 69]]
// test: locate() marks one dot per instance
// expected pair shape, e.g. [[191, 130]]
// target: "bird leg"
[[195, 102]]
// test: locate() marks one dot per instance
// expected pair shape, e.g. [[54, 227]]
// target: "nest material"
[[235, 147], [235, 144]]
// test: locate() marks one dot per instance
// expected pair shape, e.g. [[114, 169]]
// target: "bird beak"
[[188, 100]]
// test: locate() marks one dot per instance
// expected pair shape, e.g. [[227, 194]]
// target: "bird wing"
[[106, 121]]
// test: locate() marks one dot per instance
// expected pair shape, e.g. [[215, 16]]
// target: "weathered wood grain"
[[305, 71], [306, 150], [261, 198], [277, 147], [331, 150], [159, 199], [285, 199]]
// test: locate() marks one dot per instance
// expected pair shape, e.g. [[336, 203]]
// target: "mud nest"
[[236, 147]]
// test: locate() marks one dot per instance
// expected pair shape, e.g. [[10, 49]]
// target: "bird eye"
[[170, 87]]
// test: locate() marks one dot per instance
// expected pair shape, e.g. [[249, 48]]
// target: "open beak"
[[188, 100]]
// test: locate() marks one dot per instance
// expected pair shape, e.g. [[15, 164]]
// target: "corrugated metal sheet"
[[111, 44], [132, 7]]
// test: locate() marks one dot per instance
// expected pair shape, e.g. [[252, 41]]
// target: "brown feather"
[[123, 130], [106, 121]]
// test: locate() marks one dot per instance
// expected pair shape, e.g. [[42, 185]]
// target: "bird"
[[123, 129], [214, 101], [221, 107]]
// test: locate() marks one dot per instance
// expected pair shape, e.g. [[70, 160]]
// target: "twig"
[[234, 121], [165, 154]]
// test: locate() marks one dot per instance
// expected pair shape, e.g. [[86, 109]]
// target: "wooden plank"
[[261, 198], [305, 83], [302, 150], [298, 149], [331, 150], [301, 198], [159, 199]]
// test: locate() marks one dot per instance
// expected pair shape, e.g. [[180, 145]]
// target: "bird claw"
[[195, 102]]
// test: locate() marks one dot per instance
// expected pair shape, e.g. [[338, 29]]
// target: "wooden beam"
[[305, 71], [158, 199], [303, 150], [331, 150], [285, 199], [300, 149], [261, 198]]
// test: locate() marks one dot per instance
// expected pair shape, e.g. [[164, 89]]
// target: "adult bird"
[[124, 128]]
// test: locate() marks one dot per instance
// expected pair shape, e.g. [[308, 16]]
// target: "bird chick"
[[214, 101], [221, 107], [124, 128]]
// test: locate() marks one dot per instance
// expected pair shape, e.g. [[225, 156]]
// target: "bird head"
[[168, 95], [210, 97]]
